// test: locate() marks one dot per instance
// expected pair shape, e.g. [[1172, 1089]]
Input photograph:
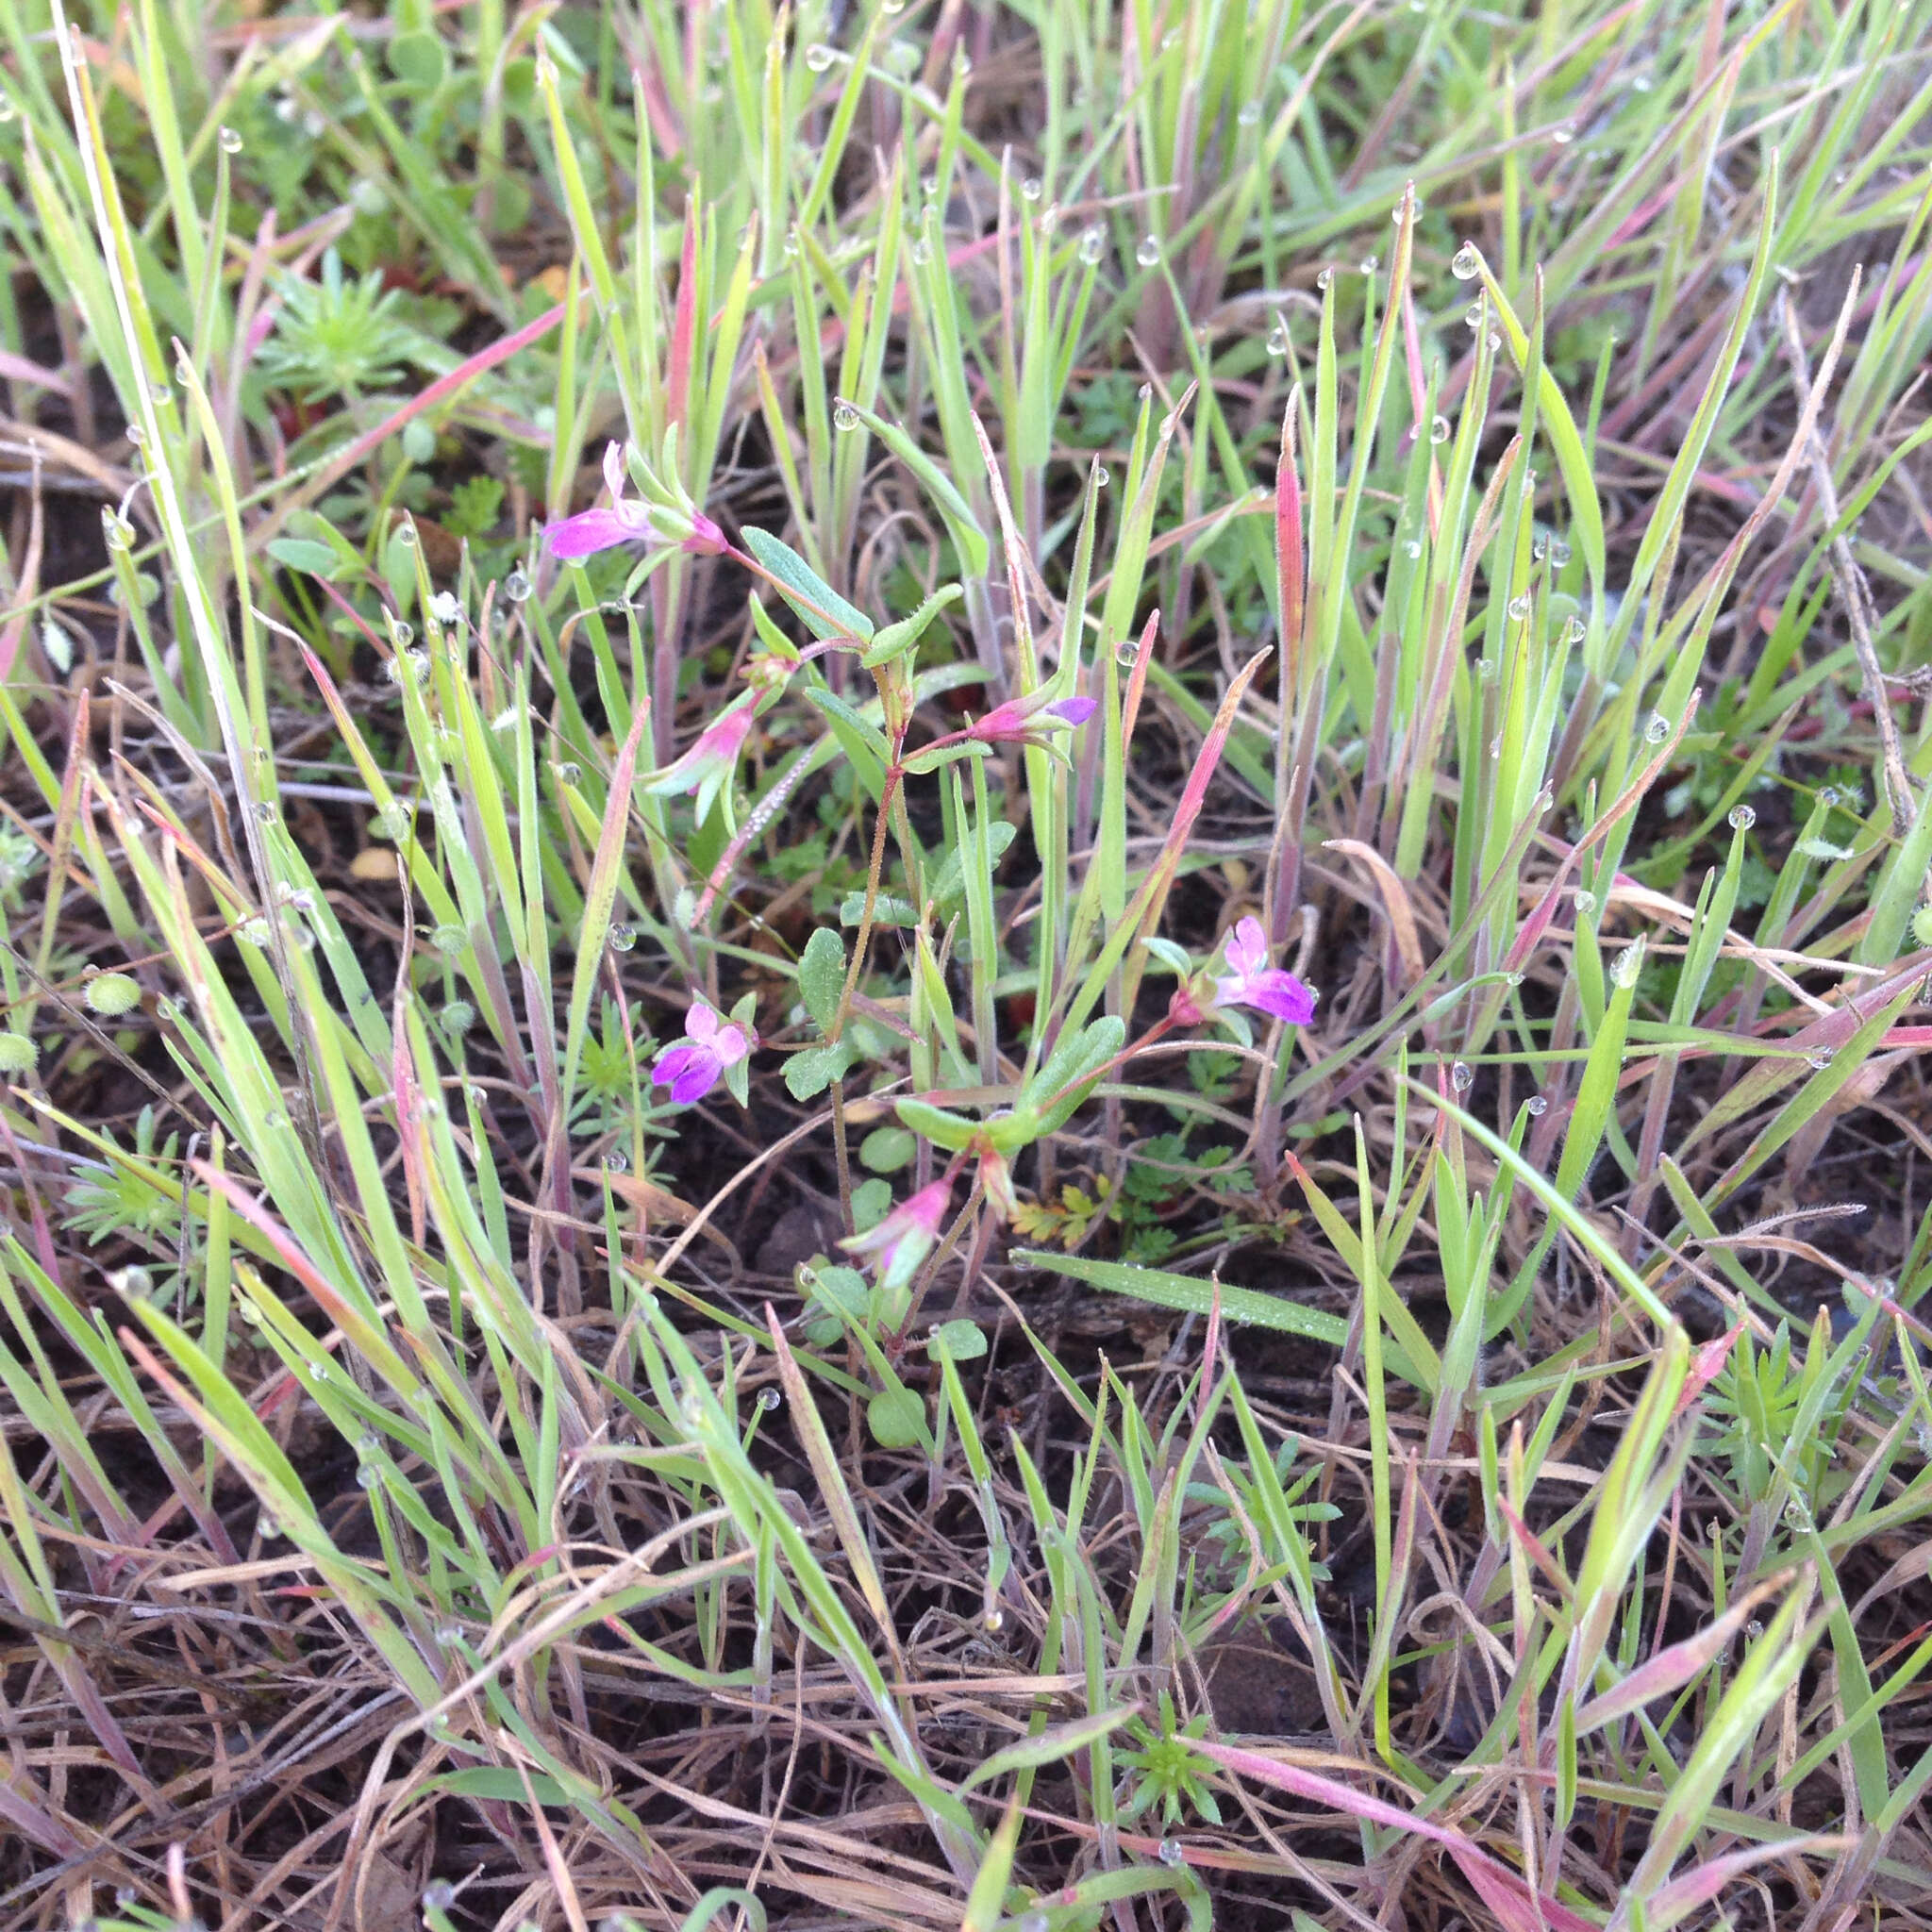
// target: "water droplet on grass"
[[1149, 251], [1461, 1076], [1537, 1105], [1742, 817], [1465, 262], [1439, 430], [844, 418], [1092, 245]]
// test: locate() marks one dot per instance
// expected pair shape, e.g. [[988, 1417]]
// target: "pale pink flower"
[[1250, 981], [690, 1067], [707, 766], [904, 1238], [627, 522]]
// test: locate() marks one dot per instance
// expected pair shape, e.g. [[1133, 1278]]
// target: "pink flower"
[[1020, 719], [624, 521], [693, 1066], [904, 1238], [1251, 982], [707, 767]]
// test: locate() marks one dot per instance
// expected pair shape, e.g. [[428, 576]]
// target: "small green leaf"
[[949, 882], [897, 638], [964, 1341], [809, 1073], [311, 559], [886, 1150], [821, 976], [896, 1417], [871, 1201], [820, 607], [419, 62], [886, 910]]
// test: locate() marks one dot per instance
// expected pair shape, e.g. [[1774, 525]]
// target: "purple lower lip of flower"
[[1072, 711], [689, 1069]]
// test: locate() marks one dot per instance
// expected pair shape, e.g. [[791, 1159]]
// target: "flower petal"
[[614, 471], [670, 1064], [1247, 951], [701, 1022], [1071, 711], [1282, 996], [698, 1079], [588, 532]]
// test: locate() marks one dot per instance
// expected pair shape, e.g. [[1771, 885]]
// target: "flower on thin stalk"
[[904, 1238], [1250, 981], [690, 1067], [1021, 721], [669, 520], [708, 767]]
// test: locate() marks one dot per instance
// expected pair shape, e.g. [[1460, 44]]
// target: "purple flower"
[[693, 1066], [1020, 719], [904, 1238], [1251, 982], [624, 521]]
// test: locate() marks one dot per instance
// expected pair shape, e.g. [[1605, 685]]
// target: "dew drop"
[[1658, 729], [368, 1476], [1277, 341], [1092, 245], [1821, 1059], [1742, 817], [438, 1895], [1572, 631], [818, 56], [962, 63], [265, 813], [1171, 1854], [1461, 1076], [1519, 607], [922, 252], [994, 1620], [1032, 188], [1101, 478], [616, 1161], [1473, 315], [1495, 340], [1412, 549], [1439, 430], [844, 417], [136, 434], [1250, 115], [116, 531], [405, 634], [1585, 901], [1559, 552], [769, 1399], [1324, 279], [1465, 262], [568, 773], [1563, 133], [516, 587], [1641, 83], [1536, 1106], [1370, 265], [448, 1633], [1170, 40], [1149, 251], [621, 938], [231, 141]]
